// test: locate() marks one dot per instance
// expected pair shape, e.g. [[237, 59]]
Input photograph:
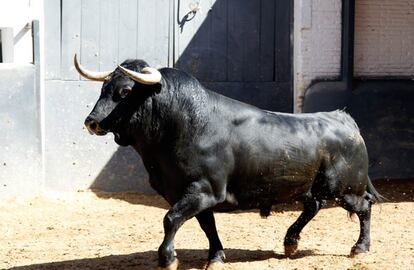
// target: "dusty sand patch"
[[83, 231]]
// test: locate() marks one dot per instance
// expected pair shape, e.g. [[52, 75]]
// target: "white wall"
[[317, 43], [384, 38], [21, 95], [16, 14], [20, 150]]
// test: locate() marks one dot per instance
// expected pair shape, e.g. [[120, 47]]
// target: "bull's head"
[[132, 82]]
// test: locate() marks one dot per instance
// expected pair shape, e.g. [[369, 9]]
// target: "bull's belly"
[[260, 192]]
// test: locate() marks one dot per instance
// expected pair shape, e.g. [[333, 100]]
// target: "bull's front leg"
[[198, 197]]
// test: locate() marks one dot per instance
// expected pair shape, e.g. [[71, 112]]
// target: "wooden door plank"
[[218, 41], [283, 58], [267, 41], [235, 46], [71, 27], [244, 40], [90, 27], [194, 38], [200, 46], [250, 23], [108, 36], [153, 32], [52, 39], [128, 30]]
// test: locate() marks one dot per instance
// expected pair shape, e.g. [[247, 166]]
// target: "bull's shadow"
[[189, 259], [231, 47]]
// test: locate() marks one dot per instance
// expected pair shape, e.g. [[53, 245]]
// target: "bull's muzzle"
[[93, 127]]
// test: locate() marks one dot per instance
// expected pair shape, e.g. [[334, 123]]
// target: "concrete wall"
[[384, 38], [75, 160], [21, 153], [20, 136]]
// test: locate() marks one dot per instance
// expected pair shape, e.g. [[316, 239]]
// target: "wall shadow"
[[124, 172], [132, 197], [240, 49]]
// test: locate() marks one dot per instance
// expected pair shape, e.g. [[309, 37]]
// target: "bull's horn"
[[91, 75], [149, 76]]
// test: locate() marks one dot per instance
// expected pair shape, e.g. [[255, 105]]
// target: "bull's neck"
[[173, 115]]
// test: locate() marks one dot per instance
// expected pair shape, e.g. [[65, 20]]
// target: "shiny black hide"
[[204, 151]]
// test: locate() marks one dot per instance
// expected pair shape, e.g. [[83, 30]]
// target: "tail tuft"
[[376, 196]]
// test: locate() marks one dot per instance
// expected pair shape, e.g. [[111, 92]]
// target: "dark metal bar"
[[36, 42], [38, 82], [7, 45], [348, 34]]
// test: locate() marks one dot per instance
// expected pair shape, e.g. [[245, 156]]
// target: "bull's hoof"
[[290, 249], [172, 266], [358, 250], [214, 265]]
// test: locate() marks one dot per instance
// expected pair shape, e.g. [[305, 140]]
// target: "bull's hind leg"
[[310, 209], [363, 243], [360, 205], [215, 253]]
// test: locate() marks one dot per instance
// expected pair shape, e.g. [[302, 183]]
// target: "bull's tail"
[[376, 197]]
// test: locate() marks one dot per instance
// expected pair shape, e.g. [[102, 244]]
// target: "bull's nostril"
[[93, 125]]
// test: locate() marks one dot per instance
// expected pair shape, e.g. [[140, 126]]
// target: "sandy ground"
[[122, 231]]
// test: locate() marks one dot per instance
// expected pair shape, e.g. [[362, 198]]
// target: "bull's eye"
[[123, 92]]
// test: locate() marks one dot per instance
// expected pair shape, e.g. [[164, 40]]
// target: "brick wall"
[[384, 38]]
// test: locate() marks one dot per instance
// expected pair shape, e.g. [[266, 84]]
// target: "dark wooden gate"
[[240, 48]]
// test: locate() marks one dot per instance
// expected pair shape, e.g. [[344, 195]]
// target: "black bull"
[[205, 152]]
